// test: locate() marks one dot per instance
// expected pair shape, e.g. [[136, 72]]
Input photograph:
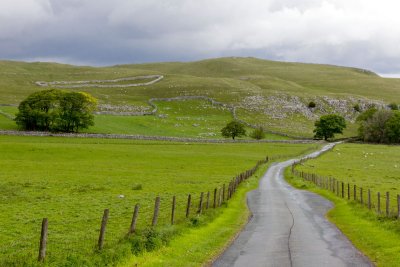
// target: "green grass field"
[[189, 118], [71, 181], [246, 83], [369, 166], [374, 167]]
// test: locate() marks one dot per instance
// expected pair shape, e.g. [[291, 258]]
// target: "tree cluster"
[[379, 126], [57, 111]]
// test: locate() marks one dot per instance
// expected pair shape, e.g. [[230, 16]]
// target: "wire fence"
[[383, 203], [167, 209]]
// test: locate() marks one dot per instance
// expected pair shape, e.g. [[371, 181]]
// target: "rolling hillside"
[[272, 94]]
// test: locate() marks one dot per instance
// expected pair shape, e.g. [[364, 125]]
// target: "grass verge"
[[377, 237]]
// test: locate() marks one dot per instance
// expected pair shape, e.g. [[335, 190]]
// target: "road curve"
[[289, 228]]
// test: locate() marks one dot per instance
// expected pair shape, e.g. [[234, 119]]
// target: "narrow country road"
[[289, 228]]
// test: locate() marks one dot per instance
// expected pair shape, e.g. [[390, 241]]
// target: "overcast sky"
[[360, 33]]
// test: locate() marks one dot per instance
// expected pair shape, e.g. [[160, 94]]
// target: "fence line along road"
[[386, 204], [194, 207]]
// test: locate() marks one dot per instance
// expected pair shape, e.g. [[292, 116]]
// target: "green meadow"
[[374, 167], [189, 118], [245, 83], [71, 181]]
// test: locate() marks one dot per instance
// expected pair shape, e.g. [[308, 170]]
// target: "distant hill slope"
[[268, 93]]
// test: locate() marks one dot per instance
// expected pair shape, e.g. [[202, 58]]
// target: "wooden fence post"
[[342, 190], [188, 205], [220, 197], [201, 203], [355, 193], [398, 207], [223, 193], [43, 240], [379, 202], [103, 229], [337, 188], [215, 198], [329, 183], [173, 210], [387, 204], [156, 210], [132, 228], [369, 199], [348, 191], [361, 196]]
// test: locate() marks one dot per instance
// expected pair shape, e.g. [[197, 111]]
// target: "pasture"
[[189, 118], [267, 93], [71, 181], [374, 167]]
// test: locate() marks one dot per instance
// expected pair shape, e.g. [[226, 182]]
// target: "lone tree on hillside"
[[329, 125], [56, 110], [233, 129]]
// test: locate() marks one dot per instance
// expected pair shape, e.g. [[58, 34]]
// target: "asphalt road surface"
[[289, 228]]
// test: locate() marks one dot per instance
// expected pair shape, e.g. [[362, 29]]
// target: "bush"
[[380, 126], [357, 108], [393, 106], [258, 134], [150, 239], [137, 187], [312, 104], [374, 129]]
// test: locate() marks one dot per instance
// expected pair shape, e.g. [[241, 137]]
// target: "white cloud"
[[355, 33]]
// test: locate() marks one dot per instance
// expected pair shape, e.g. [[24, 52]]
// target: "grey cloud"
[[357, 33]]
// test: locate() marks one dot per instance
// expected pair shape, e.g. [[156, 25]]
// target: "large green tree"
[[329, 125], [233, 129], [76, 110], [56, 110]]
